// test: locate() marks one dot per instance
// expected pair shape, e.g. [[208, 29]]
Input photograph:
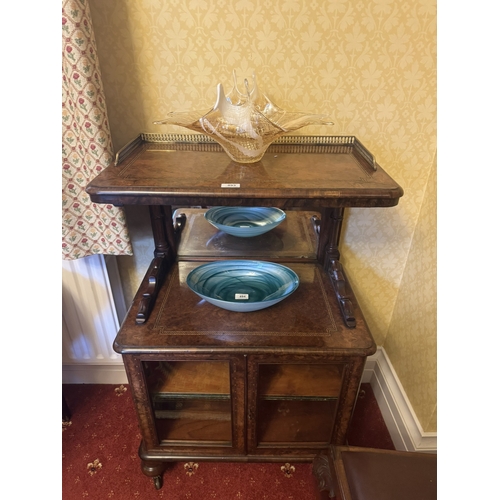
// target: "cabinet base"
[[153, 464]]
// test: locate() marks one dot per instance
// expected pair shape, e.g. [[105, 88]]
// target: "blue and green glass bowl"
[[242, 285], [245, 222]]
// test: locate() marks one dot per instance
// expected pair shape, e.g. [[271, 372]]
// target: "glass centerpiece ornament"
[[244, 123]]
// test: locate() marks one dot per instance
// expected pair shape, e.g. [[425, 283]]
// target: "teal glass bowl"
[[245, 222], [242, 285]]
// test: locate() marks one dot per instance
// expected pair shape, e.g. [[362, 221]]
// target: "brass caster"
[[158, 481]]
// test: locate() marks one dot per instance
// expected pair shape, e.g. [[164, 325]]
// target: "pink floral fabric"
[[88, 228]]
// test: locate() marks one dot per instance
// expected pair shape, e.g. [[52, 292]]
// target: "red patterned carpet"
[[100, 461]]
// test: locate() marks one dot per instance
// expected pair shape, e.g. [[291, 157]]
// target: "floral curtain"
[[88, 228]]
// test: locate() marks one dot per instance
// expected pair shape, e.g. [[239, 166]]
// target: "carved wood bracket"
[[323, 475], [156, 274], [336, 273]]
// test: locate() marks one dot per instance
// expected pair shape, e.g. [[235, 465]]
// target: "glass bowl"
[[245, 222], [244, 123], [242, 285]]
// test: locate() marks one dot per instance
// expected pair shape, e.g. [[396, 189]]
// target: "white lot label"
[[229, 185], [240, 296]]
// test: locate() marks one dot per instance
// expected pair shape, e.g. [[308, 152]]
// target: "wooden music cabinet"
[[278, 384]]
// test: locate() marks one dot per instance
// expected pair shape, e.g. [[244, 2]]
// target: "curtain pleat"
[[88, 228]]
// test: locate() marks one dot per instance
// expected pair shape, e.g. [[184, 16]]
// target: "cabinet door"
[[292, 404], [195, 403]]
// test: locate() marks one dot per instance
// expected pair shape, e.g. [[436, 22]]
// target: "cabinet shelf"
[[199, 409], [308, 319], [297, 398], [159, 397], [296, 238]]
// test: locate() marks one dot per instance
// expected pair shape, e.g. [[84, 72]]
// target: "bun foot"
[[154, 470]]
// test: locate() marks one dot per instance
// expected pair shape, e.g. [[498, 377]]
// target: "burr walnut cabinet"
[[278, 384]]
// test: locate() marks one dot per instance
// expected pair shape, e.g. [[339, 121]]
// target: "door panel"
[[292, 404]]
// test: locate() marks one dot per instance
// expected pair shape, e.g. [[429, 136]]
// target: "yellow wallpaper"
[[411, 342], [370, 65]]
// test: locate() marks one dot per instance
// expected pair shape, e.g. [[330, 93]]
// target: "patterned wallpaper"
[[370, 65], [411, 342]]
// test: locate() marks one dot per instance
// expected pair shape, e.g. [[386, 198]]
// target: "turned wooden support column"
[[329, 234], [163, 231]]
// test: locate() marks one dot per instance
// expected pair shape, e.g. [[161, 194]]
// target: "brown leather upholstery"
[[387, 476], [371, 474]]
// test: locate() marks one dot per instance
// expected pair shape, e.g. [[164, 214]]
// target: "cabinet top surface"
[[297, 172]]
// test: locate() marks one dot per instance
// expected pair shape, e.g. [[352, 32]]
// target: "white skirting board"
[[397, 412], [94, 374]]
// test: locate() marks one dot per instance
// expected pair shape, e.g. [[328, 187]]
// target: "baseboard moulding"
[[94, 374], [397, 412]]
